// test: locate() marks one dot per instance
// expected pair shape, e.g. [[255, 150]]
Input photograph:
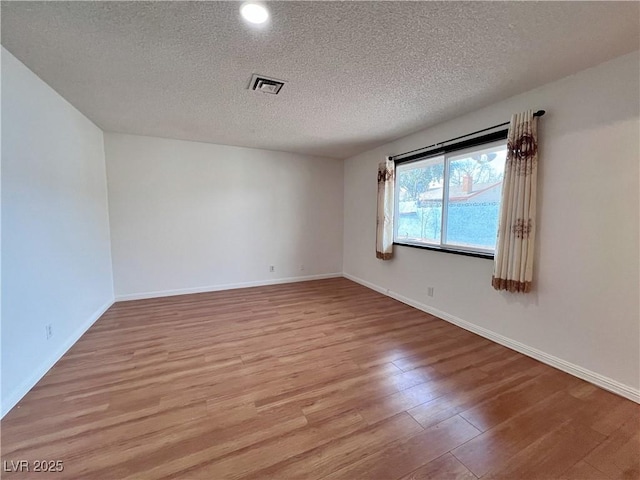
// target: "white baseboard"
[[14, 397], [216, 288], [568, 367]]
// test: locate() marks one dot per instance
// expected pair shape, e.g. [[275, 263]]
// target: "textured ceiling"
[[359, 73]]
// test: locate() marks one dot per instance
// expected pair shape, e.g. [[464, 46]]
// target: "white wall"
[[188, 216], [56, 262], [584, 310]]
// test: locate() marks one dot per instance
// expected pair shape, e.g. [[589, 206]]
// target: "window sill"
[[488, 256]]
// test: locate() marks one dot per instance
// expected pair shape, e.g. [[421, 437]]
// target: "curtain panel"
[[513, 261], [384, 223]]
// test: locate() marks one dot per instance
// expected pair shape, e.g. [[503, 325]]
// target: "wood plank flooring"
[[323, 379]]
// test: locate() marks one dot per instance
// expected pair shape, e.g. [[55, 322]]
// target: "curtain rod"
[[539, 113]]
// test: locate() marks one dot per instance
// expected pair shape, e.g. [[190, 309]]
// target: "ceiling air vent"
[[263, 84]]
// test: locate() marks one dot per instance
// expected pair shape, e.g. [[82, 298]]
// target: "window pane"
[[419, 201], [475, 187]]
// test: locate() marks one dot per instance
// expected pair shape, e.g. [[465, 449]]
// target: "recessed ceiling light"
[[254, 12]]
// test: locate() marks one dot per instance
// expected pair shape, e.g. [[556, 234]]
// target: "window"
[[451, 201]]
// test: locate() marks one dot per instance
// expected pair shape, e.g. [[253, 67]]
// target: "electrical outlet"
[[49, 330], [430, 291], [272, 268]]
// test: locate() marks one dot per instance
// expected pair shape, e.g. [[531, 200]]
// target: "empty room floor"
[[323, 379]]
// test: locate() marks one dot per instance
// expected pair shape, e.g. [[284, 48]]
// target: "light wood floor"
[[323, 379]]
